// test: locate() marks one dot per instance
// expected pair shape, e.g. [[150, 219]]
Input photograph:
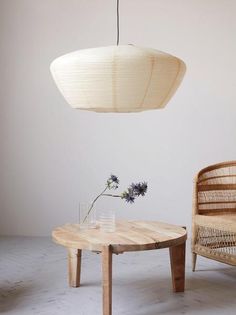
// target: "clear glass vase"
[[87, 217], [107, 221]]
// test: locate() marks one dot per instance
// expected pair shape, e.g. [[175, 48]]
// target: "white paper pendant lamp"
[[121, 78]]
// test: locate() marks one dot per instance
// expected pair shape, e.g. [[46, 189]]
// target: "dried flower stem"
[[110, 195], [91, 207]]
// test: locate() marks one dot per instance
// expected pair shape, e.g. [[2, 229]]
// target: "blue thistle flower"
[[114, 179], [128, 195], [113, 182], [139, 189]]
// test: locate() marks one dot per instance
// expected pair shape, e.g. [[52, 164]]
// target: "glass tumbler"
[[107, 221]]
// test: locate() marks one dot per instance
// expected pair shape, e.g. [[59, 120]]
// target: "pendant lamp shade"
[[121, 78]]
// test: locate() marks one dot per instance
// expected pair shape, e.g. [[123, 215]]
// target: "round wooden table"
[[129, 236]]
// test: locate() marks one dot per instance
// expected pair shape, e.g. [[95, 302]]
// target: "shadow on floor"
[[13, 294], [204, 294]]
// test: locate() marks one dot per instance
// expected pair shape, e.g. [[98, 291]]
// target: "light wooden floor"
[[33, 280]]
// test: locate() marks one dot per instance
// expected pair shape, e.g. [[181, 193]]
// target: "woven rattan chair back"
[[216, 189]]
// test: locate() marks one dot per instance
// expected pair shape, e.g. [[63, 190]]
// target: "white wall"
[[53, 156]]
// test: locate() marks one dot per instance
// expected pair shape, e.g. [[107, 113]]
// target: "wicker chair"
[[214, 213]]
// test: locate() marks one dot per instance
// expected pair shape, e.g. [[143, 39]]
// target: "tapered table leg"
[[177, 260], [74, 266], [107, 279]]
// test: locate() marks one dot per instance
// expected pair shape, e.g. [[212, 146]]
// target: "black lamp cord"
[[117, 23]]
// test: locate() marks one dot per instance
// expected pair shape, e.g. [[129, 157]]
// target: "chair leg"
[[194, 260]]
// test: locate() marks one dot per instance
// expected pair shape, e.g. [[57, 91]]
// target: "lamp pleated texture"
[[117, 78]]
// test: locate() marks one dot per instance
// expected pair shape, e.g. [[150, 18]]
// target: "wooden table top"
[[129, 236]]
